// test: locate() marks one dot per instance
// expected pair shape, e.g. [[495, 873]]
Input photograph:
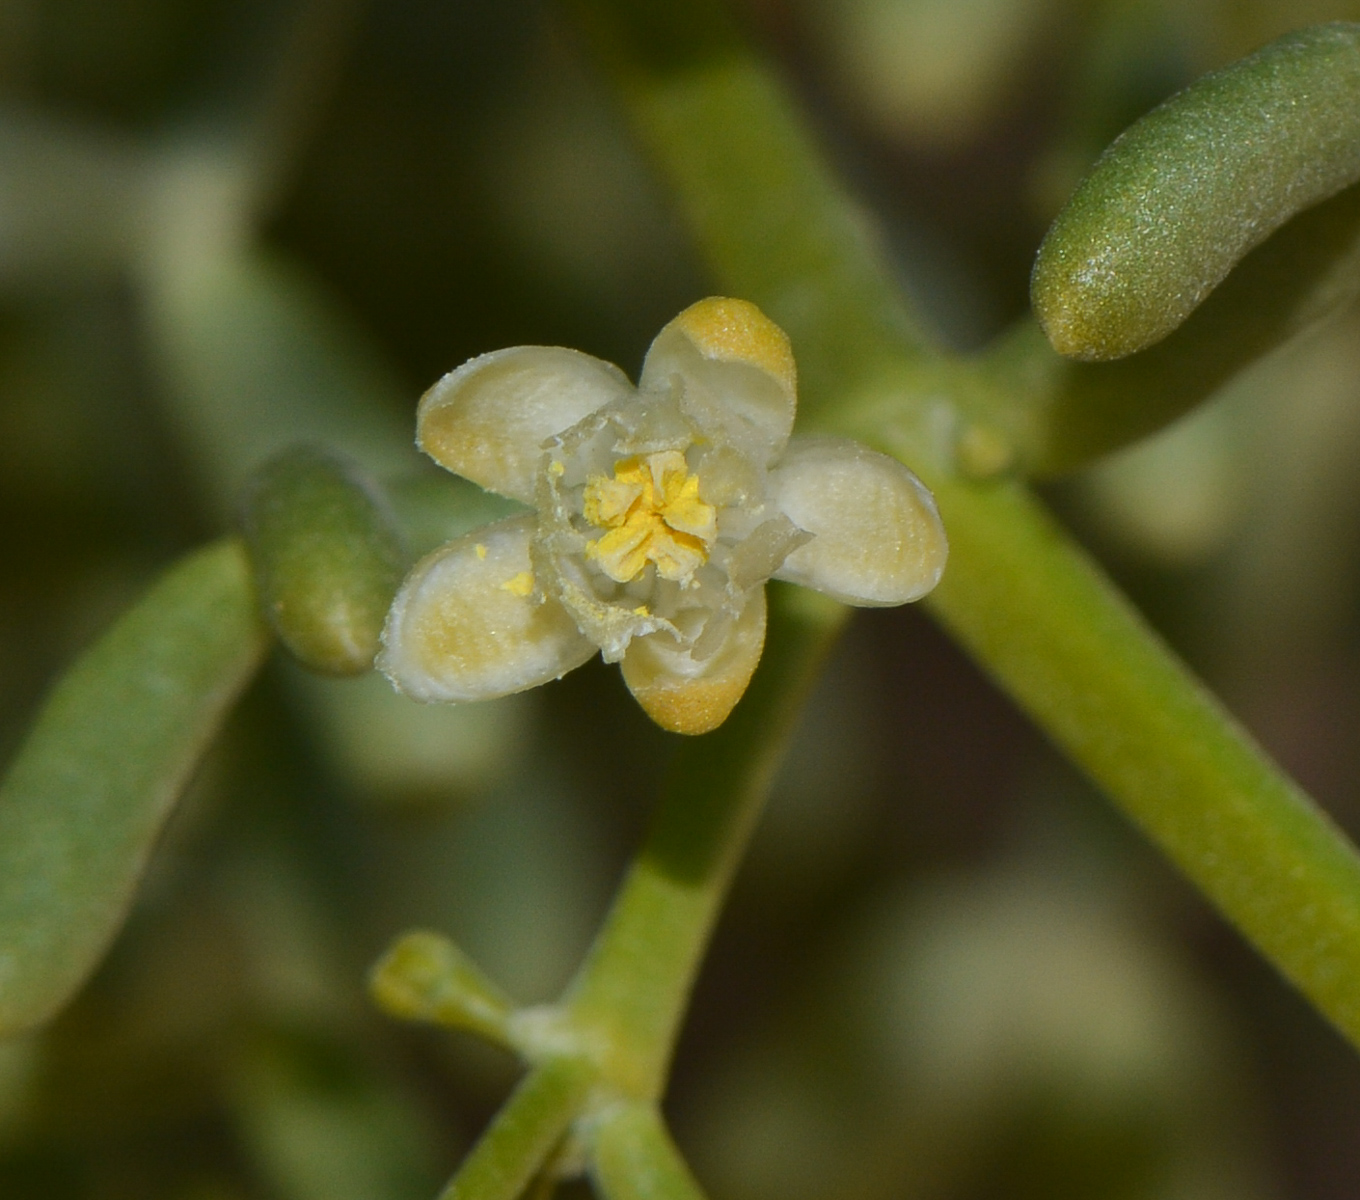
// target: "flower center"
[[651, 511]]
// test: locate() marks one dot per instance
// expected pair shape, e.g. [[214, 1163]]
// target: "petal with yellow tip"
[[488, 420], [735, 372], [689, 696], [877, 536], [466, 627]]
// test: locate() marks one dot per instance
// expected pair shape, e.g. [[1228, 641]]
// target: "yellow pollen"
[[651, 511], [481, 550], [557, 468], [519, 585]]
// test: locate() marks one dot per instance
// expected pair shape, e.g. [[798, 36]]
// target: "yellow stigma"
[[652, 512]]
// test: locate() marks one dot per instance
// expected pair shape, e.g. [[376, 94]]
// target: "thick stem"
[[1072, 652], [633, 1158], [634, 986], [524, 1132]]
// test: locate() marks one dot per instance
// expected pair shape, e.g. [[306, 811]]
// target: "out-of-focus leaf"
[[322, 1124], [71, 200], [931, 72], [102, 768], [434, 507], [256, 358], [416, 756]]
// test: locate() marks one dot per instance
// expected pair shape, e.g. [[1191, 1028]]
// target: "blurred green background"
[[948, 971]]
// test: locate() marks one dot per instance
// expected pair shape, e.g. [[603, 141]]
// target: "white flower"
[[661, 511]]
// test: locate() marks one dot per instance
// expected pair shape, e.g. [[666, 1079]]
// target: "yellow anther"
[[651, 510], [519, 585]]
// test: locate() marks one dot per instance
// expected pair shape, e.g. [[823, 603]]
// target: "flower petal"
[[688, 696], [878, 537], [466, 626], [737, 373], [488, 420]]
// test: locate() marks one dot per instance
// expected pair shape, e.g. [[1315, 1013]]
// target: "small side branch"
[[524, 1133], [635, 1159]]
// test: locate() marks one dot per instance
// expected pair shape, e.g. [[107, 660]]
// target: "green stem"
[[633, 1157], [634, 986], [1043, 619], [524, 1133]]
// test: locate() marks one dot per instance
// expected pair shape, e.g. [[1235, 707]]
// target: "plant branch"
[[634, 1158], [524, 1133], [635, 984], [1074, 654]]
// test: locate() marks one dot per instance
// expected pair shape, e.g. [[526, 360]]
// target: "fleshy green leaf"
[[255, 357], [1071, 412], [327, 555], [1186, 191], [111, 751]]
